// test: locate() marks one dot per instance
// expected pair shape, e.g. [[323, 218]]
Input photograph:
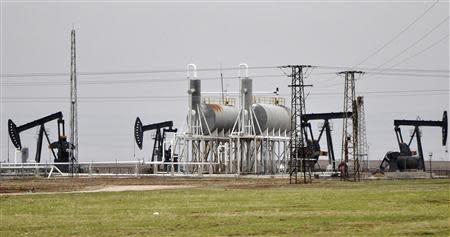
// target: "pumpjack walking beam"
[[14, 131]]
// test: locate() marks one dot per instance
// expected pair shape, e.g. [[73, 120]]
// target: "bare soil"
[[69, 184]]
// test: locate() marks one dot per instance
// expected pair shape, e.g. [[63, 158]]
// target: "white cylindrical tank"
[[271, 118], [218, 117]]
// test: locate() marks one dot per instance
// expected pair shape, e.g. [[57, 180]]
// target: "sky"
[[147, 36]]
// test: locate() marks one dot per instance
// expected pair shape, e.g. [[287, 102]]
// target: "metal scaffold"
[[350, 156]]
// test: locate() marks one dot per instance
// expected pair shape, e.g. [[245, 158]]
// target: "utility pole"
[[73, 102], [431, 172], [350, 125], [298, 160]]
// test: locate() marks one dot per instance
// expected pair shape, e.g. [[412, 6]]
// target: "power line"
[[408, 74], [413, 44], [99, 73], [390, 91], [368, 69], [108, 82], [185, 96], [175, 80], [183, 99], [413, 56], [398, 34], [420, 52], [143, 72]]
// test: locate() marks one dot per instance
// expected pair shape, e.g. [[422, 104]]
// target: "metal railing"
[[114, 168], [269, 100]]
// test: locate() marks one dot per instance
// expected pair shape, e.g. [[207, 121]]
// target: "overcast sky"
[[35, 38]]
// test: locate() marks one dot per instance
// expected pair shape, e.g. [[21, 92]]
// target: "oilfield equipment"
[[63, 147], [243, 132], [405, 159], [251, 137], [159, 152], [313, 150], [256, 135]]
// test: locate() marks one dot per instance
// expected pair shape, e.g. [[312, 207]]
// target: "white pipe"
[[243, 67], [191, 70]]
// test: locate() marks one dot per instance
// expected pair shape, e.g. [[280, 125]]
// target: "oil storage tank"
[[272, 119], [218, 118]]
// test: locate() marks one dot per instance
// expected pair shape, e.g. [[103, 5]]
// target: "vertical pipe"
[[243, 74], [194, 95]]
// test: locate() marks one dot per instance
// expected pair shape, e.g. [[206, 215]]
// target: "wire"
[[419, 53], [408, 74], [413, 44], [390, 91], [175, 80], [184, 97], [415, 55], [143, 72], [397, 35], [367, 69], [112, 82], [50, 74]]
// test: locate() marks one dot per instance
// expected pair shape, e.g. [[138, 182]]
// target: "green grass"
[[371, 208]]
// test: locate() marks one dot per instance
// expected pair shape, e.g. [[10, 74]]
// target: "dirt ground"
[[69, 184]]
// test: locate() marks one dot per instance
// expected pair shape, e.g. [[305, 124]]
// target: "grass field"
[[325, 208]]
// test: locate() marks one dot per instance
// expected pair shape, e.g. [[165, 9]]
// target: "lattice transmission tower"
[[363, 146], [350, 126], [298, 162]]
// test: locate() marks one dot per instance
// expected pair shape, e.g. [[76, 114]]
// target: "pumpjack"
[[313, 147], [405, 159], [158, 147], [62, 146]]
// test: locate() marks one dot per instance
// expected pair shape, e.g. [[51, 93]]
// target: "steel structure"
[[298, 160], [363, 146], [62, 146], [404, 159], [350, 126], [313, 146], [73, 101], [160, 152], [250, 137]]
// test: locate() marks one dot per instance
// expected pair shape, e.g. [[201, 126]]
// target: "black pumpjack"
[[158, 147], [63, 147]]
